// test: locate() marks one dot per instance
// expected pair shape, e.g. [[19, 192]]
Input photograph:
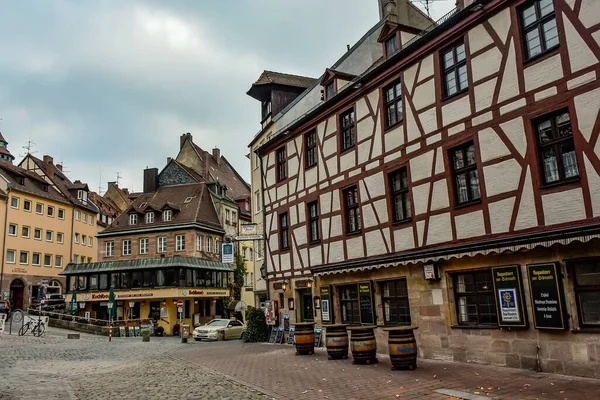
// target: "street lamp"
[[284, 285]]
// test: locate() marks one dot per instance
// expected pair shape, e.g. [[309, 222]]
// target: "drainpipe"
[[72, 229], [264, 218], [4, 244]]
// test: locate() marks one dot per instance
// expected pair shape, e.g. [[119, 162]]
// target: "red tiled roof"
[[33, 184], [199, 208]]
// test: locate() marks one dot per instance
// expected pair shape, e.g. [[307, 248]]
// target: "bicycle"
[[37, 328]]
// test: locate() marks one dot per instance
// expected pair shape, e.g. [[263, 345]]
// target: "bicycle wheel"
[[24, 329], [39, 329]]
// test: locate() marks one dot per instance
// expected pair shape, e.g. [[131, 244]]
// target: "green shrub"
[[256, 327]]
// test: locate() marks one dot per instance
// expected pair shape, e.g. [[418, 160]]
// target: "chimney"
[[49, 165], [387, 10], [59, 166], [150, 180], [125, 190], [217, 155], [404, 13], [205, 164], [183, 138], [169, 159], [112, 183]]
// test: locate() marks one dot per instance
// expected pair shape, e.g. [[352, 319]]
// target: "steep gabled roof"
[[33, 183]]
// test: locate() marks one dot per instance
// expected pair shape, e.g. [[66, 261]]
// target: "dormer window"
[[167, 215], [149, 217], [133, 219], [80, 195], [21, 181], [188, 200], [391, 45], [330, 90], [266, 109]]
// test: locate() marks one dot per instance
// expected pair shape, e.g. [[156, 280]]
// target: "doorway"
[[306, 305], [17, 294]]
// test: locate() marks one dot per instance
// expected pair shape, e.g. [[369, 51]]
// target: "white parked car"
[[220, 329]]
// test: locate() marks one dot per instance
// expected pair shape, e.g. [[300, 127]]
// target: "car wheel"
[[220, 336], [197, 339]]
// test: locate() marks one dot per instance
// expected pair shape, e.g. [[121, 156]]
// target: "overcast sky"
[[107, 86]]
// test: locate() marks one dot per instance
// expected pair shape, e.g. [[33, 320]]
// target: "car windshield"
[[218, 322]]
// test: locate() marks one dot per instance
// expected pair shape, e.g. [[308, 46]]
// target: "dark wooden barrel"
[[305, 338], [363, 344], [402, 347], [337, 342]]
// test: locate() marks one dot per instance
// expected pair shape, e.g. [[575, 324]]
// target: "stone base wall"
[[575, 351]]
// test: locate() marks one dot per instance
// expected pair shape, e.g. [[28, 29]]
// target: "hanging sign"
[[508, 287], [365, 300], [325, 306], [546, 296], [227, 253]]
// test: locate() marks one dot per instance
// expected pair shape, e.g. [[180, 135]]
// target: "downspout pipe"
[[72, 229], [4, 242], [264, 218]]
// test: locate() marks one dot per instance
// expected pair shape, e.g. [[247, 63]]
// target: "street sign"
[[227, 253], [243, 238], [179, 309], [131, 304], [179, 303]]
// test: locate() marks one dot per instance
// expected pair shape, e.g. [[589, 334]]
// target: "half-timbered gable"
[[476, 139]]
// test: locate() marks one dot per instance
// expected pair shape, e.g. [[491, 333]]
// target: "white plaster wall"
[[336, 251], [526, 217], [502, 177], [594, 185], [364, 129], [440, 229], [336, 226], [409, 76], [420, 166], [456, 110], [404, 239], [331, 126], [424, 95], [426, 68], [354, 247], [580, 55], [406, 36], [364, 150], [510, 83], [329, 146], [347, 161], [478, 39], [484, 94], [543, 73], [293, 212], [587, 106], [563, 207], [301, 235], [335, 204], [469, 225], [501, 214], [429, 120], [369, 218], [515, 132], [325, 203], [491, 146], [361, 109], [270, 178], [501, 23], [274, 242], [315, 254], [301, 214], [412, 130], [375, 243], [394, 138], [293, 164], [285, 261], [439, 197], [332, 166], [589, 15], [282, 192], [310, 177], [486, 64], [421, 198], [381, 208], [375, 184], [325, 227]]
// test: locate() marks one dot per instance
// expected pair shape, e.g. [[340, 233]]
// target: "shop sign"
[[508, 287], [325, 300], [248, 229], [431, 272], [546, 296], [365, 299], [227, 253]]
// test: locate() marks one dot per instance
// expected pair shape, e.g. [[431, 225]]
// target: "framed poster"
[[291, 335], [365, 303], [508, 289], [326, 314], [547, 300]]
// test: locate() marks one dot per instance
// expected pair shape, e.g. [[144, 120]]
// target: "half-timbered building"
[[455, 186]]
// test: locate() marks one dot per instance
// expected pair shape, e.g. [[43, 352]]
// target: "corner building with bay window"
[[454, 185]]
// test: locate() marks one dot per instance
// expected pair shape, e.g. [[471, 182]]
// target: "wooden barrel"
[[402, 347], [305, 338], [363, 344], [337, 342]]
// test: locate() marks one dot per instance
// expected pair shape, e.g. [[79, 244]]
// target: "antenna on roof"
[[118, 177], [100, 188], [427, 4], [28, 146]]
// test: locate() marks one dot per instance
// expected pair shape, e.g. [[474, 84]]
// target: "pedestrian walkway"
[[278, 372]]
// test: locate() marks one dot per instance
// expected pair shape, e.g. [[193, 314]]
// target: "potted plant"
[[176, 329], [159, 331]]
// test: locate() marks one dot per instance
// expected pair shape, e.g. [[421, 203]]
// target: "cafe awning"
[[146, 263]]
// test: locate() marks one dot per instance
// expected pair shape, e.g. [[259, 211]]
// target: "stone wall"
[[574, 351]]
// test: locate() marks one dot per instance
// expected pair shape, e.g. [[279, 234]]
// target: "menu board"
[[326, 309], [546, 296], [291, 335], [131, 331], [279, 337], [508, 288], [365, 299], [273, 335], [318, 336], [122, 331]]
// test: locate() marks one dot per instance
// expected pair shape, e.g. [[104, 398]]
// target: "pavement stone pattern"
[[278, 372], [54, 367]]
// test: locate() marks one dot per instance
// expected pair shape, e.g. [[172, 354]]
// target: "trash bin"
[[185, 332]]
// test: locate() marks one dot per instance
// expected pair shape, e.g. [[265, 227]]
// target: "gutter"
[[4, 242], [158, 229], [72, 229]]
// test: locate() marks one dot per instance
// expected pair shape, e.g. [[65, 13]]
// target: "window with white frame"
[[27, 205], [127, 247], [37, 234], [14, 202], [161, 245], [61, 213], [75, 258], [227, 217], [208, 244], [233, 218], [144, 246], [10, 256], [149, 217], [50, 211], [39, 208], [198, 243], [58, 261], [25, 232], [49, 236], [180, 243], [12, 229], [90, 241], [83, 239], [109, 248], [60, 237], [36, 259], [84, 218], [217, 246], [47, 260], [77, 215], [24, 257], [167, 215], [76, 238], [133, 218], [257, 201]]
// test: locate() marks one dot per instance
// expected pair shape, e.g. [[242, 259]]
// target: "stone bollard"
[[145, 335]]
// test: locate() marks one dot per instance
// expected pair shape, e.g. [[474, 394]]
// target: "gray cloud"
[[110, 85]]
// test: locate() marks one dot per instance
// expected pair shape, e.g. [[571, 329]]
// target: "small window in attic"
[[188, 200], [143, 205], [45, 188]]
